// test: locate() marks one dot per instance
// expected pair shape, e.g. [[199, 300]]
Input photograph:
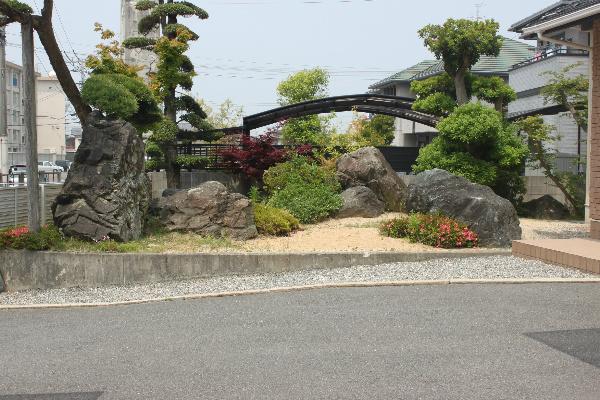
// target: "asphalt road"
[[439, 342]]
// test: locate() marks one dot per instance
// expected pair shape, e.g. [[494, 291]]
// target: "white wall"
[[51, 119]]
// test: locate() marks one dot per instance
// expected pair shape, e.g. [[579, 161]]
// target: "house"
[[409, 134], [529, 77], [581, 18]]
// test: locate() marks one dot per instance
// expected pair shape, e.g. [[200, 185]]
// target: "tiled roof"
[[556, 10], [407, 74], [512, 52]]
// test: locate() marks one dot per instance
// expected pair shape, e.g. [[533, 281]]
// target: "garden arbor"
[[400, 107]]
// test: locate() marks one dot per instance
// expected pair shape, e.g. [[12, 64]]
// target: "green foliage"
[[173, 29], [111, 98], [21, 238], [441, 83], [148, 23], [304, 130], [19, 6], [307, 190], [189, 104], [175, 9], [303, 86], [165, 132], [568, 91], [274, 221], [439, 104], [139, 42], [376, 131], [192, 162], [476, 143], [152, 165], [493, 90], [227, 114], [144, 5], [431, 229], [462, 42], [153, 150]]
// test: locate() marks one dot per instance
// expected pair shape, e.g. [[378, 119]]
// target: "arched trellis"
[[400, 107]]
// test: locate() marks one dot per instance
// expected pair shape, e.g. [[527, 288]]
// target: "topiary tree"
[[304, 86], [570, 91], [378, 130], [115, 88], [476, 143], [460, 43], [174, 71]]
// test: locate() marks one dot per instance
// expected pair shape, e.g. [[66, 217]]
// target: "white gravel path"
[[500, 267]]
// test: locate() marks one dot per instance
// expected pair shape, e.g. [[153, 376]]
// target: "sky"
[[247, 47]]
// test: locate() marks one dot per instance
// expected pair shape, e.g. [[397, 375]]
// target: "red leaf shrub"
[[258, 154], [431, 229]]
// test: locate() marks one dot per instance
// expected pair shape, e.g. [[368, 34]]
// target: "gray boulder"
[[368, 167], [545, 207], [360, 201], [107, 192], [209, 209], [492, 217]]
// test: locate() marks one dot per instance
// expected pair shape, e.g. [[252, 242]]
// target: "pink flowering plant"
[[431, 229], [20, 238]]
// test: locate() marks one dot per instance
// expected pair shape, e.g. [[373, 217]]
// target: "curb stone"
[[309, 287]]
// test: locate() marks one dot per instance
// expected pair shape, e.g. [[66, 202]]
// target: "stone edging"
[[25, 270], [309, 287]]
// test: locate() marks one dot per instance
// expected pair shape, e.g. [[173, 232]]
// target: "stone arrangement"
[[492, 217], [360, 201], [107, 193], [545, 207], [368, 168], [209, 209]]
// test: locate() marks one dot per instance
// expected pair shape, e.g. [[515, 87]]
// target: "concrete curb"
[[25, 270], [309, 287]]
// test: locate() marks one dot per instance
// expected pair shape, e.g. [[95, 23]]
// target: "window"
[[389, 91], [15, 98], [15, 79]]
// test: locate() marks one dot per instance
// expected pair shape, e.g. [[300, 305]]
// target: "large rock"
[[209, 209], [545, 207], [368, 167], [107, 192], [360, 201], [492, 217]]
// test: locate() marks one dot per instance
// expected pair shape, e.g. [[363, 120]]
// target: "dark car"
[[64, 164]]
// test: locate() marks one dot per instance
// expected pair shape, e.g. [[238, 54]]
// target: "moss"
[[274, 221]]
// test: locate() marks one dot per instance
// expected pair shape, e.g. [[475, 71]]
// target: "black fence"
[[400, 158]]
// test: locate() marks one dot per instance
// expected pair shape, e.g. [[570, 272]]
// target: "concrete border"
[[26, 270], [309, 287]]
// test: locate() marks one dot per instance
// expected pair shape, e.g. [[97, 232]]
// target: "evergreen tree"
[[174, 71]]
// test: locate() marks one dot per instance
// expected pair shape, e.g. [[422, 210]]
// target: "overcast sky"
[[247, 46]]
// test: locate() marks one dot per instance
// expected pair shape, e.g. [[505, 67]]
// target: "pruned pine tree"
[[174, 71]]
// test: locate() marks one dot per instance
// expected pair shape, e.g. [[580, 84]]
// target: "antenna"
[[478, 7]]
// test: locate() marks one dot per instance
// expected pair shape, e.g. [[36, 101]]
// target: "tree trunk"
[[29, 99], [461, 87], [45, 31], [499, 106]]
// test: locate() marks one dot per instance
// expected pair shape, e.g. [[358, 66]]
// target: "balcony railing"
[[544, 54]]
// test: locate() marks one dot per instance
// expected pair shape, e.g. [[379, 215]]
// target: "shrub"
[[255, 156], [308, 191], [21, 238], [431, 229], [192, 162], [274, 221], [152, 165]]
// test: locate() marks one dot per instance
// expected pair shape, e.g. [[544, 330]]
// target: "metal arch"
[[395, 106]]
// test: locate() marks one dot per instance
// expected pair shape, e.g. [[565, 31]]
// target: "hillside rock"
[[545, 207], [360, 201]]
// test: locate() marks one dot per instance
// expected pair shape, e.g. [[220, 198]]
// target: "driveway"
[[426, 342]]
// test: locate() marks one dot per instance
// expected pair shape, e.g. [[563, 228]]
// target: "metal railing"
[[20, 179], [544, 54]]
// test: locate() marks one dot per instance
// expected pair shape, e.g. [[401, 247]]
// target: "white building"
[[50, 121], [130, 18]]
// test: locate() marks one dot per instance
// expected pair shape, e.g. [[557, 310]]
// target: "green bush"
[[432, 230], [274, 221], [21, 238], [192, 162], [152, 165], [308, 191]]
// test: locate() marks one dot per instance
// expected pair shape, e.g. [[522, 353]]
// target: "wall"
[[594, 137], [51, 119], [13, 204]]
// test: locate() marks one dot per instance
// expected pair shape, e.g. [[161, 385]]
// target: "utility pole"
[[3, 105], [30, 124]]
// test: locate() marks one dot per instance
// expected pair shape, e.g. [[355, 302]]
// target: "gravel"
[[499, 267]]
